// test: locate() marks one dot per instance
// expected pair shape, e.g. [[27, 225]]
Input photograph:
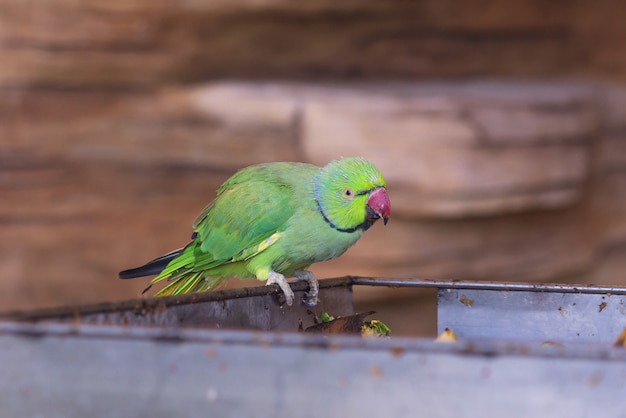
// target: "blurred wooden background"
[[500, 127]]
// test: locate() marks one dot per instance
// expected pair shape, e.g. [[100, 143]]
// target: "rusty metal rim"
[[161, 303], [148, 304], [485, 285]]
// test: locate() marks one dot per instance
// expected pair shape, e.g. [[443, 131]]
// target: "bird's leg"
[[280, 280], [310, 297]]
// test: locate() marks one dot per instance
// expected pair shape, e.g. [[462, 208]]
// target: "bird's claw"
[[280, 280], [310, 298]]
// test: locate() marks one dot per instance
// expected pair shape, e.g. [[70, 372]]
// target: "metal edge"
[[162, 303], [266, 339], [484, 285]]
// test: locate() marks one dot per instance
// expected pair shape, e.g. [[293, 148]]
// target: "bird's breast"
[[315, 241]]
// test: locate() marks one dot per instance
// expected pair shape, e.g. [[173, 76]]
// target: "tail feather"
[[152, 267], [190, 282]]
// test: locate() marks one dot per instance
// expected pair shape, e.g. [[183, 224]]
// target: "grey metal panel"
[[64, 370], [523, 311], [532, 315]]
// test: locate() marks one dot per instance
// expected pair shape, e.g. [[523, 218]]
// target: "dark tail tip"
[[132, 273], [153, 267]]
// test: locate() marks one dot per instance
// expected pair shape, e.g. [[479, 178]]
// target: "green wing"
[[247, 216]]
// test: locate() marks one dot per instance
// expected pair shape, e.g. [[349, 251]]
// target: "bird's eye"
[[348, 193]]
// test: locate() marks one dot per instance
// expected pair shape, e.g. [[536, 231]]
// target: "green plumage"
[[272, 218]]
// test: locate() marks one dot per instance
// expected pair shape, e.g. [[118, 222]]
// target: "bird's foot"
[[280, 280], [311, 297]]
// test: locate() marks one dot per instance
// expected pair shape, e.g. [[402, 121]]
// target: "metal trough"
[[237, 353]]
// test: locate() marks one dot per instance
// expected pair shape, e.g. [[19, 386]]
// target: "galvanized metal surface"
[[65, 370], [532, 316], [519, 311], [523, 311], [71, 362]]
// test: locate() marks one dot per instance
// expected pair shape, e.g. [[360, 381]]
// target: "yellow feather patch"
[[255, 249]]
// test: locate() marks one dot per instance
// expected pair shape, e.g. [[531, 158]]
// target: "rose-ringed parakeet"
[[271, 221]]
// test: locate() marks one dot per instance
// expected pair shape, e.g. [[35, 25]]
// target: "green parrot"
[[271, 221]]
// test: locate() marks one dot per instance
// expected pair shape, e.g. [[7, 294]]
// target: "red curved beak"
[[378, 205]]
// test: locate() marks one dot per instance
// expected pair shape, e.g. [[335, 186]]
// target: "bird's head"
[[351, 194]]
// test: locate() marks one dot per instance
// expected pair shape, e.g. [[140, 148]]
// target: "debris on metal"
[[521, 350]]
